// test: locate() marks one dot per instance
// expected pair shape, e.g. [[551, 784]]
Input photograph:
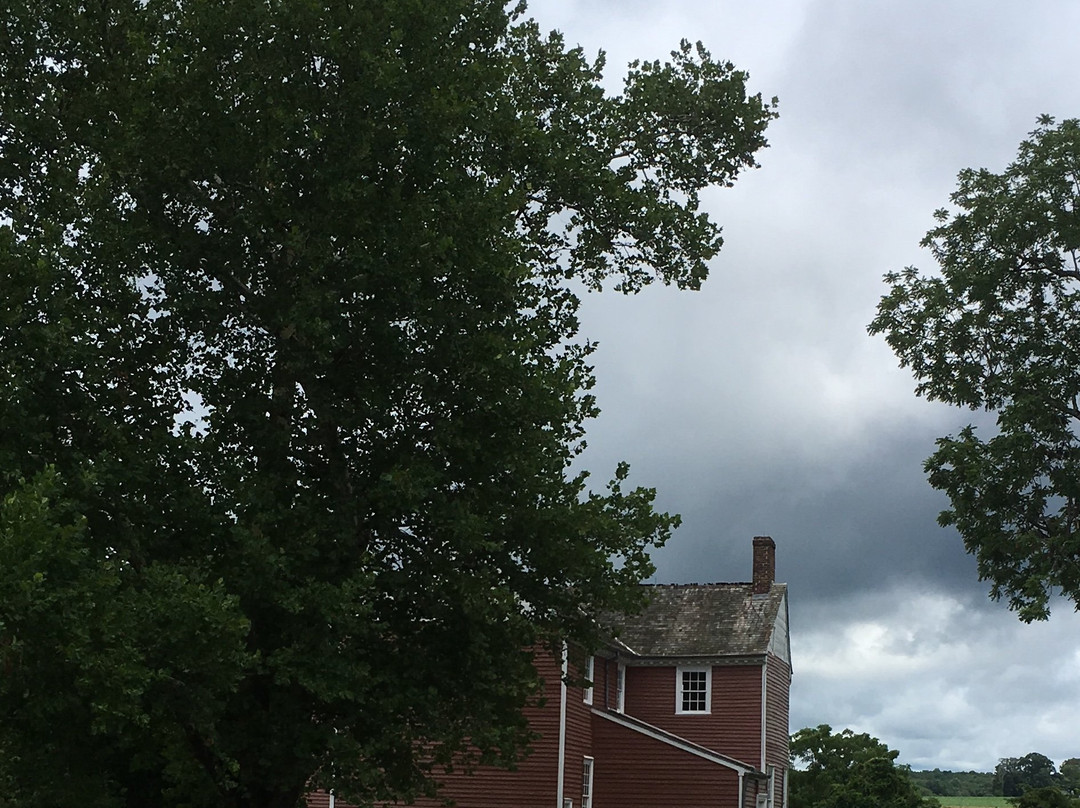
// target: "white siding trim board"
[[560, 778]]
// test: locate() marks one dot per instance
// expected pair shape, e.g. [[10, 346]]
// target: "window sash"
[[586, 782], [694, 690], [590, 670]]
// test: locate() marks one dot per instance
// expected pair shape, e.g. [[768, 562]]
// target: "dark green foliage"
[[954, 784], [1069, 773], [848, 770], [1037, 771], [1014, 776], [290, 381], [1046, 797], [999, 329]]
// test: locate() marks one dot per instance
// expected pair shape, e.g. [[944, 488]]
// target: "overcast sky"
[[759, 406]]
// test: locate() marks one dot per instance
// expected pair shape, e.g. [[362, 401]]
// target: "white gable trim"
[[780, 641], [674, 740]]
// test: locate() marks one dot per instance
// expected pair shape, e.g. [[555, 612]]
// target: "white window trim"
[[620, 688], [588, 764], [679, 671], [590, 672]]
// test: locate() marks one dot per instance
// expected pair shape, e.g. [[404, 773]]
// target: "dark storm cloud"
[[760, 405]]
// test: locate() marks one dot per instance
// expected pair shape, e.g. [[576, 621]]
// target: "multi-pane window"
[[693, 690], [586, 782]]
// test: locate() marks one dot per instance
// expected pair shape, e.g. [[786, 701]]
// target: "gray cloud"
[[935, 673], [760, 406]]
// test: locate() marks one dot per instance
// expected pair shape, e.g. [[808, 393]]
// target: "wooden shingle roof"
[[703, 620]]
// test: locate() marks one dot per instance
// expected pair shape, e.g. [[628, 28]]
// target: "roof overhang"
[[669, 661]]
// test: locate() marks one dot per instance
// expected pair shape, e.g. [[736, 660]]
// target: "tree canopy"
[[848, 770], [292, 383], [1069, 773], [954, 784], [1034, 782], [1045, 797], [1016, 776], [998, 328]]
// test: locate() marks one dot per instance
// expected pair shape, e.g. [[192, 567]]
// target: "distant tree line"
[[849, 770], [1032, 780], [954, 784]]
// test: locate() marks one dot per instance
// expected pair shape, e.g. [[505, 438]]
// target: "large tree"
[[1015, 776], [998, 328], [848, 770], [1070, 776], [291, 381]]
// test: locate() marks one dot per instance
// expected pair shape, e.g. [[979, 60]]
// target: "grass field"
[[974, 802]]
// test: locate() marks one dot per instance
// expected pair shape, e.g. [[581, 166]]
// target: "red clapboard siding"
[[733, 728], [534, 782], [637, 770], [778, 686], [532, 785], [631, 769], [579, 729]]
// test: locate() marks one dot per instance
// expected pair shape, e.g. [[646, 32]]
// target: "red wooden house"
[[688, 709]]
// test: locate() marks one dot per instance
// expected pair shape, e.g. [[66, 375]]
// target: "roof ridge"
[[709, 583]]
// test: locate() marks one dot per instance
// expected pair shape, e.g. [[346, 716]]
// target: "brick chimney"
[[764, 564]]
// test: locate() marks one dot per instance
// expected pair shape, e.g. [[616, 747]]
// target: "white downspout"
[[562, 729]]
